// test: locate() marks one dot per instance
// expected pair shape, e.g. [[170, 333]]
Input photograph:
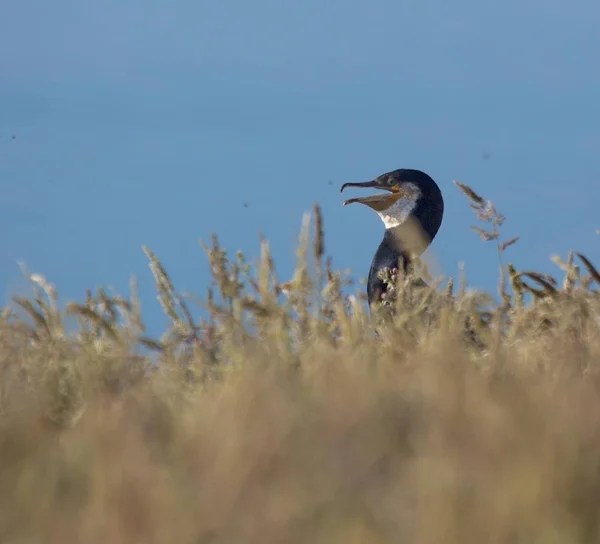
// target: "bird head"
[[403, 189], [406, 195]]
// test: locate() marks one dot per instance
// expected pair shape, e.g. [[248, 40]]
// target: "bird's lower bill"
[[378, 202]]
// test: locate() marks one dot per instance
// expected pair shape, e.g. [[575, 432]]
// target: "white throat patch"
[[401, 210]]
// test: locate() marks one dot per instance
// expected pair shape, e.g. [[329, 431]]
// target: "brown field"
[[283, 417]]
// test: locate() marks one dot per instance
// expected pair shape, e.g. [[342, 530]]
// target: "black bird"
[[411, 211]]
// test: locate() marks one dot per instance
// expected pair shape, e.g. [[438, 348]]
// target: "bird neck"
[[407, 239], [390, 254], [393, 241]]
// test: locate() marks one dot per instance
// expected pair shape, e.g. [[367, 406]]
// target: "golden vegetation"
[[289, 414]]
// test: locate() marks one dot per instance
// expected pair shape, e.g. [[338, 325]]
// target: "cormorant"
[[411, 211]]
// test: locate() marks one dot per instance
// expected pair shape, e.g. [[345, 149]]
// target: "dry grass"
[[288, 414]]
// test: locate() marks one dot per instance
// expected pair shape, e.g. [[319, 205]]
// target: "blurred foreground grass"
[[289, 414]]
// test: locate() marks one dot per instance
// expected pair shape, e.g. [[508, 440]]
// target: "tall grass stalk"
[[290, 413]]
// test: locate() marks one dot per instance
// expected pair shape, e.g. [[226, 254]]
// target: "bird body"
[[389, 255], [411, 211]]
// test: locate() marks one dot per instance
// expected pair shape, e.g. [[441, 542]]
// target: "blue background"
[[136, 122]]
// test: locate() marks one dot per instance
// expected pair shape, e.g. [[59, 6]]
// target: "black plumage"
[[413, 205]]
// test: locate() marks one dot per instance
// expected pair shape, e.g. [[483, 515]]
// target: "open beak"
[[379, 201]]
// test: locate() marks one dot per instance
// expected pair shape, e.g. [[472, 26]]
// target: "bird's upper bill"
[[378, 202]]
